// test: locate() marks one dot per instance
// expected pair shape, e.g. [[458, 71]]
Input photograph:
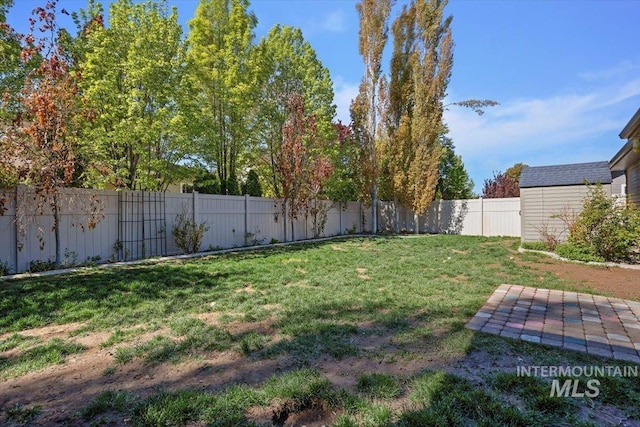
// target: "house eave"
[[632, 128], [622, 157]]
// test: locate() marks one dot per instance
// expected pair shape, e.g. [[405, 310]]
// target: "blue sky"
[[566, 73]]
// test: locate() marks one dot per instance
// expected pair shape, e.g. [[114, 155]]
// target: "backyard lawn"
[[354, 332]]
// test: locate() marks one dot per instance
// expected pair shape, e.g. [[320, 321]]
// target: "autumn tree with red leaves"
[[302, 166], [38, 141], [500, 186]]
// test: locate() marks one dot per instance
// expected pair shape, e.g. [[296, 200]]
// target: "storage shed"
[[546, 191]]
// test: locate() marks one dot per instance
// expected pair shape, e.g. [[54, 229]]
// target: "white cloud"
[[620, 70], [335, 22], [539, 124], [344, 92], [567, 128]]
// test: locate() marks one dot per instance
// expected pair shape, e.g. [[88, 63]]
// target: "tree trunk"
[[293, 235]]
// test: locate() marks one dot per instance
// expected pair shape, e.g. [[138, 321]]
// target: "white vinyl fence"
[[475, 217], [136, 225]]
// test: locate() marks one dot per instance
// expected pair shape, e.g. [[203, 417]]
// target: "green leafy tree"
[[346, 183], [374, 15], [134, 82], [86, 20], [515, 171], [13, 69], [454, 182], [287, 65], [224, 75], [206, 182], [252, 186]]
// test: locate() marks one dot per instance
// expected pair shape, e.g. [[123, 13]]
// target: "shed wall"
[[617, 183], [537, 205]]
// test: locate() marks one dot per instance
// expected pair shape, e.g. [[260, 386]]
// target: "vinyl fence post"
[[481, 216], [284, 219], [315, 218], [246, 220], [16, 231], [396, 217], [340, 220], [194, 208]]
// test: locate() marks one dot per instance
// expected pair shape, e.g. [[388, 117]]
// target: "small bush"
[[577, 253], [535, 246], [607, 229], [548, 237], [38, 266], [187, 233], [4, 268]]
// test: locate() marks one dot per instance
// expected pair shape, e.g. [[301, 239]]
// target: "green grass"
[[535, 246], [122, 335], [37, 358], [438, 399], [190, 337], [378, 385], [21, 415], [252, 342], [110, 400], [17, 341], [382, 301]]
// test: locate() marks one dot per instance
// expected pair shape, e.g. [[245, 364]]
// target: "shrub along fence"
[[137, 224]]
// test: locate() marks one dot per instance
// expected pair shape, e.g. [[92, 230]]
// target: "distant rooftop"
[[562, 175]]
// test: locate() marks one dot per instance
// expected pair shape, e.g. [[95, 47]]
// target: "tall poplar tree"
[[220, 51], [374, 15], [421, 68]]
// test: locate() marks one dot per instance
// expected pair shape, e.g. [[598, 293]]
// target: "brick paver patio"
[[593, 324]]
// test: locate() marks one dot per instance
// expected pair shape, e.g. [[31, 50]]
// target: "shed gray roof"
[[562, 175]]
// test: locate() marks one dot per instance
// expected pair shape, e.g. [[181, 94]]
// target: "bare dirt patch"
[[247, 289], [287, 413], [456, 251], [361, 273], [47, 332], [619, 282]]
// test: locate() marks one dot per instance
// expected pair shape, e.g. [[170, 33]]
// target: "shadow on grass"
[[98, 295], [162, 288]]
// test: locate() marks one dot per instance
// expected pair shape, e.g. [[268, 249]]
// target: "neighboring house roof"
[[629, 153], [563, 175]]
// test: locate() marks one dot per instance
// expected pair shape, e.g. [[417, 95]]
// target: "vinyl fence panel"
[[138, 224]]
